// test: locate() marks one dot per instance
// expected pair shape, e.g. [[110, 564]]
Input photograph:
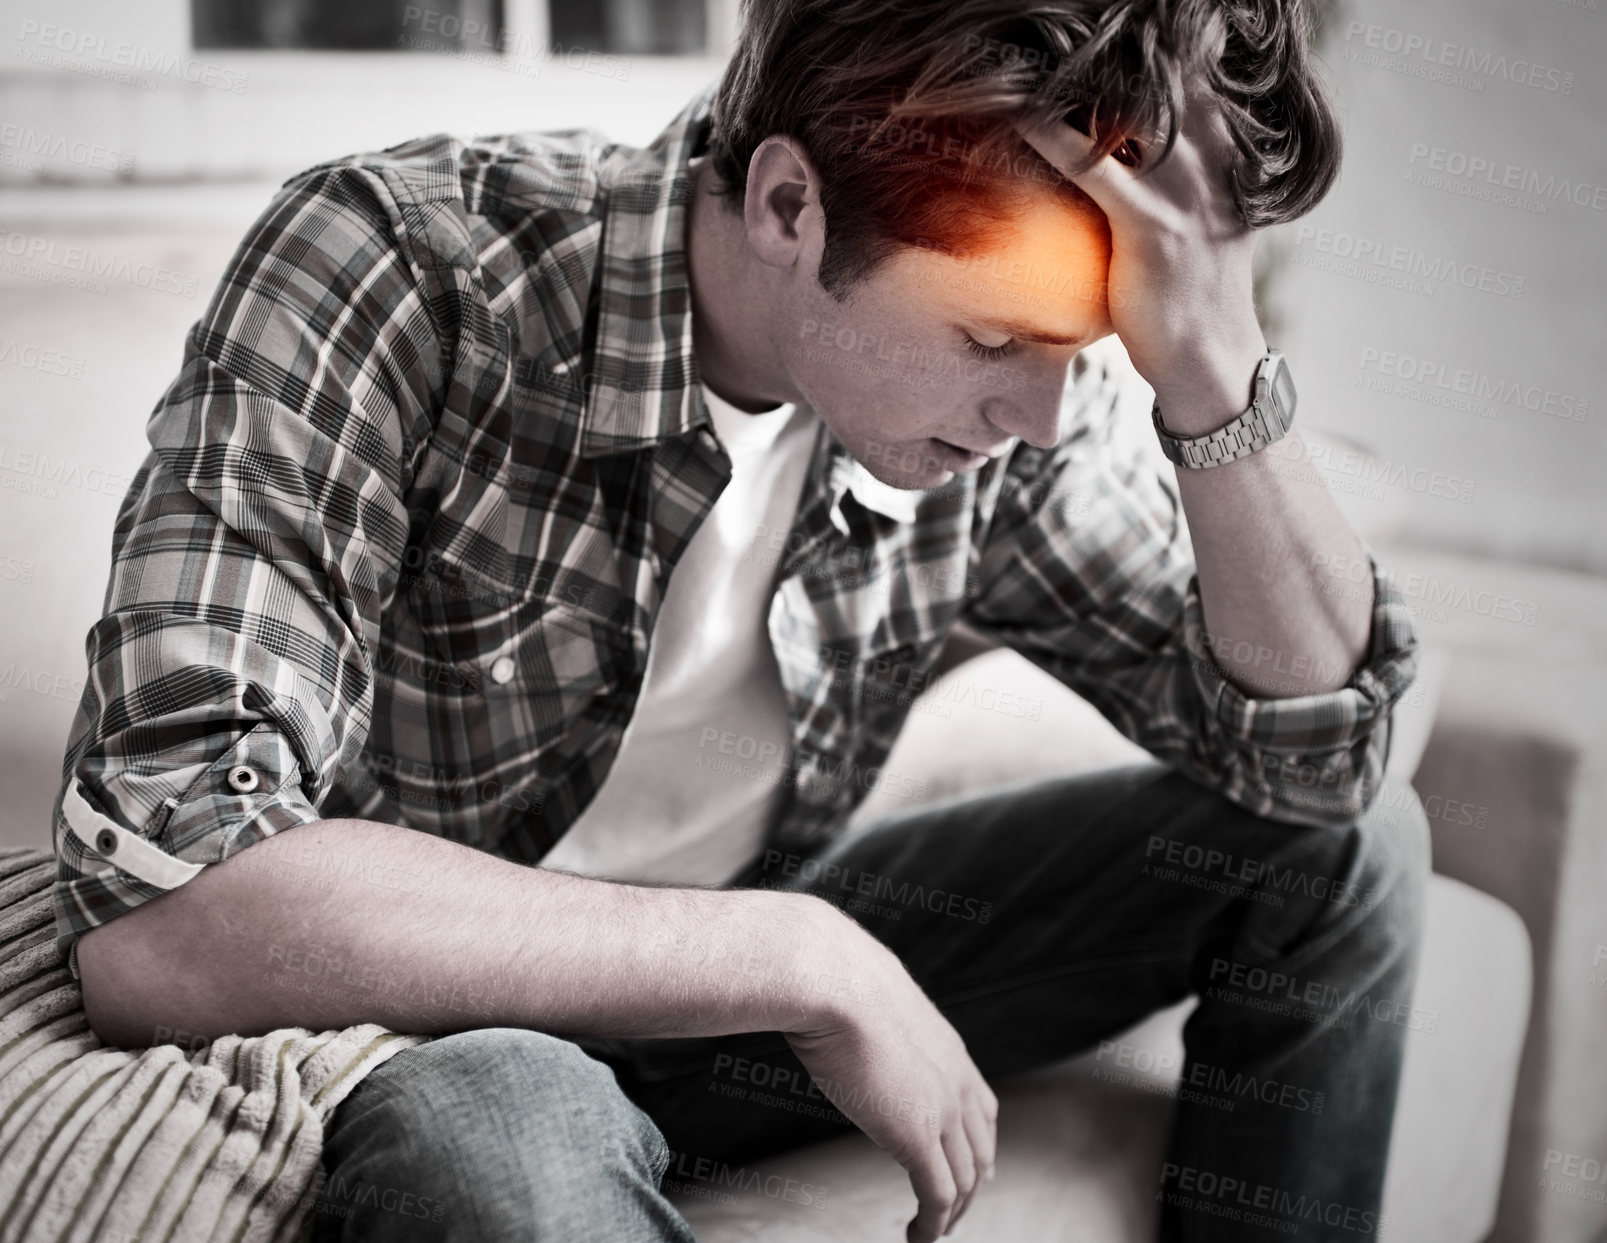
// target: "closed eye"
[[990, 352]]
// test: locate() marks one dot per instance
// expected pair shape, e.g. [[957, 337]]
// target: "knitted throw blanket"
[[102, 1145]]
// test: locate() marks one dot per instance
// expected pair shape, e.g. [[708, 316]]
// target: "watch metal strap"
[[1252, 430], [1265, 421]]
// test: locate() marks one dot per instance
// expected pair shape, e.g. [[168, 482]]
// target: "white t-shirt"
[[700, 766]]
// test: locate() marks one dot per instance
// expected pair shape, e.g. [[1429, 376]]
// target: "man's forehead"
[[1034, 276]]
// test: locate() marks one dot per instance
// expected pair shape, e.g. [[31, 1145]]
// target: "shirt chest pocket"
[[544, 667]]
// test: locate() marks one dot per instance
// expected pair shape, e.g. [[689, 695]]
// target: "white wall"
[[1537, 478]]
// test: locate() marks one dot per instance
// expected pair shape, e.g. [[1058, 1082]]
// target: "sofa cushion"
[[1080, 1144]]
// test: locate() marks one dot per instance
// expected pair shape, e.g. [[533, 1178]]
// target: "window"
[[636, 27], [633, 27]]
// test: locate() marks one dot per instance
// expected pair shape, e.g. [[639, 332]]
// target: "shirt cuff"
[[114, 855], [1320, 756]]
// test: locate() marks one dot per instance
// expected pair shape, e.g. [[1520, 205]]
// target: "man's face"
[[930, 366]]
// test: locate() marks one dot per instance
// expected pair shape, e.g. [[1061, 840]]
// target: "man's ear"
[[781, 208]]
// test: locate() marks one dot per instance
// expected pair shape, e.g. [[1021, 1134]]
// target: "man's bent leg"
[[493, 1135], [1047, 917]]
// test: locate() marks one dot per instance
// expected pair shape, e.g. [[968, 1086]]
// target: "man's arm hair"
[[445, 938]]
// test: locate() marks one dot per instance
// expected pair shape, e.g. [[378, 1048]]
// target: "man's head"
[[926, 235]]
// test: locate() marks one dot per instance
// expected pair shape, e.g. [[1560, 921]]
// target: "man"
[[602, 509]]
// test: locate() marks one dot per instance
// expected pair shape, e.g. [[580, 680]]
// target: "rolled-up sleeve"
[[230, 676], [1088, 571]]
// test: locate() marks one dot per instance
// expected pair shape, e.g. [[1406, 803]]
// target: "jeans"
[[1041, 918]]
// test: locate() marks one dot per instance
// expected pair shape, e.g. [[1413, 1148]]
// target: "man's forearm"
[[448, 938], [1262, 535]]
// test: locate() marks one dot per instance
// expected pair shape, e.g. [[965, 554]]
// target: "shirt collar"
[[645, 380]]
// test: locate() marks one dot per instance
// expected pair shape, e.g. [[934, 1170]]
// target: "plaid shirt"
[[413, 500]]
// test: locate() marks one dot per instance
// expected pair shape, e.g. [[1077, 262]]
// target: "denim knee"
[[508, 1134], [1361, 882]]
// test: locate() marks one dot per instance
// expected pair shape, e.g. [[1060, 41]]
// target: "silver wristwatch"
[[1271, 414]]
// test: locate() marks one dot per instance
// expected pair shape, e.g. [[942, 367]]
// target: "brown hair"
[[906, 106]]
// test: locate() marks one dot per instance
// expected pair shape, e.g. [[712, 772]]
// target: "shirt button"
[[242, 780], [106, 842], [502, 670], [707, 437]]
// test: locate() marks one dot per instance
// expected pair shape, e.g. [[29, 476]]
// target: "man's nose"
[[1033, 415]]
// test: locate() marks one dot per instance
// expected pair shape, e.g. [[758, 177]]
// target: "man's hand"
[[900, 1072], [1180, 298], [1180, 292]]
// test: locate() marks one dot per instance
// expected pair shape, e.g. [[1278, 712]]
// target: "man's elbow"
[[136, 991]]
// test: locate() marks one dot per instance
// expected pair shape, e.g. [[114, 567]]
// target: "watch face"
[[1282, 386]]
